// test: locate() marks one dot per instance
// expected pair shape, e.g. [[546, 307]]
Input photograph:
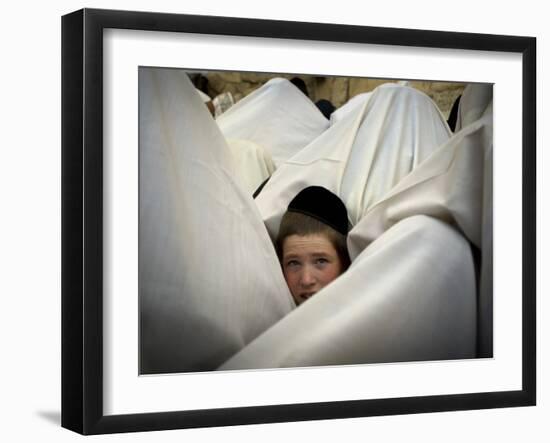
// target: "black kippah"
[[323, 205]]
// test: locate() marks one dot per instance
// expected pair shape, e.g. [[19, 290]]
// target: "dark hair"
[[326, 107], [295, 223], [300, 84]]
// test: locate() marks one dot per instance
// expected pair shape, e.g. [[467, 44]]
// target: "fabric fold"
[[363, 155], [209, 278], [276, 116], [404, 298]]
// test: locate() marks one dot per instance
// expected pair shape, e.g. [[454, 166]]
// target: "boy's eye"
[[321, 261], [292, 263]]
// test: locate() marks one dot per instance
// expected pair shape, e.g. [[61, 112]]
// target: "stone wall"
[[336, 89]]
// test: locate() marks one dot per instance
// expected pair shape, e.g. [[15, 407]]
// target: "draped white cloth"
[[448, 185], [209, 280], [477, 103], [276, 116], [455, 185], [211, 290], [404, 298], [253, 164], [362, 156], [410, 293], [476, 100], [204, 97], [349, 107]]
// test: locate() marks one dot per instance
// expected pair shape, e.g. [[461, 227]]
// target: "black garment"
[[326, 107], [454, 114]]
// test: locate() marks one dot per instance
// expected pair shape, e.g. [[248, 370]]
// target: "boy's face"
[[309, 262]]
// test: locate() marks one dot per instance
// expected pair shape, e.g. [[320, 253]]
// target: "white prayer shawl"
[[362, 156], [276, 116], [477, 103], [209, 279], [455, 185], [448, 185], [474, 102], [204, 97], [253, 164], [404, 298], [349, 107], [211, 288]]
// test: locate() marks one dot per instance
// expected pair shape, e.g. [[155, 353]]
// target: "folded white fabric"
[[406, 297], [477, 104], [475, 101], [448, 185], [209, 278], [210, 285], [455, 185], [350, 106], [253, 164], [362, 156], [276, 116], [204, 97]]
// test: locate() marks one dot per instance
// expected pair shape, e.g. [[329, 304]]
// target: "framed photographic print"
[[270, 221]]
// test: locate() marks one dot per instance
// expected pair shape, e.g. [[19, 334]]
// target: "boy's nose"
[[307, 277]]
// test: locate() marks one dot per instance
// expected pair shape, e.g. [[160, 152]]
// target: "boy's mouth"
[[305, 295]]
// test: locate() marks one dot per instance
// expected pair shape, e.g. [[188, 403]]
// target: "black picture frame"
[[82, 220]]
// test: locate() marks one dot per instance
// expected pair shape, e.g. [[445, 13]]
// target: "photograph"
[[291, 220]]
